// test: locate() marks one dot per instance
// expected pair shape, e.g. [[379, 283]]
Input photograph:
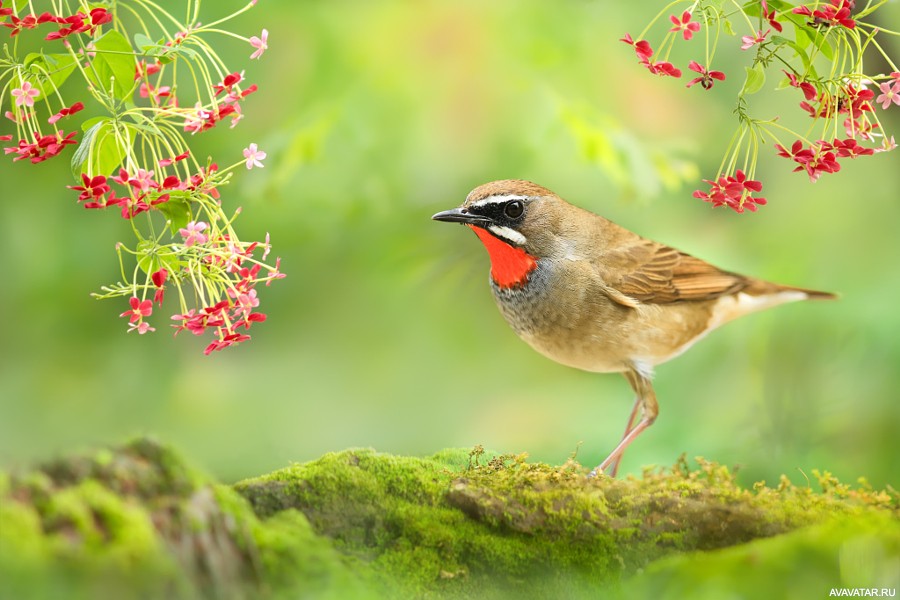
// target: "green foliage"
[[113, 68], [102, 148]]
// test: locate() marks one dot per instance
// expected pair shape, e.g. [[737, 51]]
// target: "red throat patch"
[[510, 266]]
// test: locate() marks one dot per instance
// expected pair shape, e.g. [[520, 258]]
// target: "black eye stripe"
[[504, 212]]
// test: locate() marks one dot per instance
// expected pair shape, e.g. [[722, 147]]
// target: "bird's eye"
[[514, 209]]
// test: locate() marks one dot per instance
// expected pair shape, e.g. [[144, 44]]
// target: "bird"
[[590, 294]]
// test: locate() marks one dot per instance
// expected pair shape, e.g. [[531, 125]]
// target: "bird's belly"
[[591, 332]]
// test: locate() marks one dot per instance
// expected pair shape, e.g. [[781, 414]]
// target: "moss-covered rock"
[[138, 522]]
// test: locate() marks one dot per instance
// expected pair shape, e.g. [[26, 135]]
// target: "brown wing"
[[653, 273]]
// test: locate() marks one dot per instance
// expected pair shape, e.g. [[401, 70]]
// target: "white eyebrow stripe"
[[510, 235], [498, 199]]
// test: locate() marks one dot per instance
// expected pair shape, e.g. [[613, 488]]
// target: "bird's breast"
[[563, 312]]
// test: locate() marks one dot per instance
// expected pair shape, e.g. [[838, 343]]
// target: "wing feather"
[[657, 274]]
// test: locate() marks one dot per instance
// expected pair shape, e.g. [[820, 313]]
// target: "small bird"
[[592, 295]]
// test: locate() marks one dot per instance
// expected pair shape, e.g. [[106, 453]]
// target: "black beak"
[[460, 215]]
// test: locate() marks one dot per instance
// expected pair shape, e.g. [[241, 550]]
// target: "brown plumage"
[[590, 294]]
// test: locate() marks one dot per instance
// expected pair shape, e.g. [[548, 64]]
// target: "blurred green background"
[[375, 115]]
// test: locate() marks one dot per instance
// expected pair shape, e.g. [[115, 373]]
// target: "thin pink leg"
[[634, 411], [646, 402]]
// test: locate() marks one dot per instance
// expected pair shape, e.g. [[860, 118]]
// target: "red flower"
[[17, 24], [93, 189], [159, 280], [769, 15], [855, 101], [706, 77], [228, 340], [808, 89], [687, 27], [641, 47], [139, 309], [143, 70], [849, 148], [735, 192], [836, 12], [819, 158], [65, 112], [662, 68], [230, 80]]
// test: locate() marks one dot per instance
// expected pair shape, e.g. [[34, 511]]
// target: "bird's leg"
[[614, 468], [646, 399]]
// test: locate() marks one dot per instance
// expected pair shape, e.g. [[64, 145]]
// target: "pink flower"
[[887, 146], [26, 94], [267, 247], [687, 27], [889, 93], [247, 302], [254, 155], [143, 180], [706, 77], [142, 327], [260, 43], [139, 309], [275, 273], [750, 41], [193, 233]]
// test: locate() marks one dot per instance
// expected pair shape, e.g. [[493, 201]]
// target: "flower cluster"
[[735, 192], [79, 22], [134, 155], [836, 94]]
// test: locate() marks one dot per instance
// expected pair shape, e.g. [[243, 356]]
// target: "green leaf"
[[803, 39], [100, 152], [177, 210], [150, 260], [46, 71], [822, 44], [756, 79], [728, 28], [143, 42], [91, 122], [114, 61], [799, 51]]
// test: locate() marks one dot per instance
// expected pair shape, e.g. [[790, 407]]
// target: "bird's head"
[[518, 223]]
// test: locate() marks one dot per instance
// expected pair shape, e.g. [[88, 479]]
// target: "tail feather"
[[758, 287]]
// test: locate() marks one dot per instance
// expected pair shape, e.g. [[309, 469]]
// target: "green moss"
[[138, 521], [461, 522], [859, 552]]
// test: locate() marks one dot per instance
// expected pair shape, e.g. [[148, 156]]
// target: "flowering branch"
[[134, 155], [824, 60]]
